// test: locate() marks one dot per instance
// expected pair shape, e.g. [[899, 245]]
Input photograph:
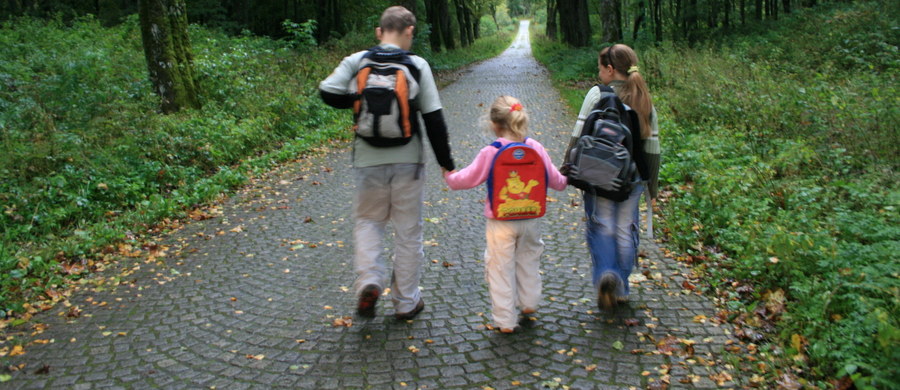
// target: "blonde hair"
[[396, 19], [635, 92], [514, 121]]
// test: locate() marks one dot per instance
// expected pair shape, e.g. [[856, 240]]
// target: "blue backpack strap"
[[490, 178]]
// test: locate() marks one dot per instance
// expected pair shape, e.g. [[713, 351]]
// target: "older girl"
[[612, 227]]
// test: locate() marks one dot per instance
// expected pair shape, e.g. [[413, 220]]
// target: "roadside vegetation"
[[780, 183]]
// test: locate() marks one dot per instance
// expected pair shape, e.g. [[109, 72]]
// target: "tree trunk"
[[638, 20], [551, 19], [461, 22], [477, 26], [743, 12], [758, 12], [584, 22], [610, 18], [787, 6], [657, 19], [577, 29], [470, 30], [434, 21], [167, 49], [328, 18], [692, 21], [494, 16], [443, 12]]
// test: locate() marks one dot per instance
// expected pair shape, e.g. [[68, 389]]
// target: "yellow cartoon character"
[[515, 197], [515, 188]]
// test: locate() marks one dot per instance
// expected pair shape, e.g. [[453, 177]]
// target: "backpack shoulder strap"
[[402, 57], [497, 144]]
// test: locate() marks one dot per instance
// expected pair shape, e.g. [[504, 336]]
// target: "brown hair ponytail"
[[635, 92]]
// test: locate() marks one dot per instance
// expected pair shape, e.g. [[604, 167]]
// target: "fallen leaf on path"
[[343, 321], [721, 378], [667, 345]]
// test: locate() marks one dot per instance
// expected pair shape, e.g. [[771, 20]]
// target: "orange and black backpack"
[[386, 87], [517, 182]]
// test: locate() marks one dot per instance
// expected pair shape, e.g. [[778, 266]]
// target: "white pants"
[[395, 193], [512, 267]]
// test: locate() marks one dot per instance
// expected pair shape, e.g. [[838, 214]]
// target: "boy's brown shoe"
[[367, 300], [413, 313]]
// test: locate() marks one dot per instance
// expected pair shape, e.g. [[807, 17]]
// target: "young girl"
[[514, 247], [612, 227]]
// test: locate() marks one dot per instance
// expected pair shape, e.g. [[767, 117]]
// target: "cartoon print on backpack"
[[517, 182]]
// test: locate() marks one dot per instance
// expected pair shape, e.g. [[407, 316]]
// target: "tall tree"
[[656, 12], [167, 49], [443, 12], [469, 21], [438, 14], [639, 19], [576, 30], [328, 18], [610, 16], [551, 19], [434, 21], [461, 22]]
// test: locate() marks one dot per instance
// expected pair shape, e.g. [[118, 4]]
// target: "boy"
[[390, 179]]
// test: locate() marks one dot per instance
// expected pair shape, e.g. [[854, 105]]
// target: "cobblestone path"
[[258, 296]]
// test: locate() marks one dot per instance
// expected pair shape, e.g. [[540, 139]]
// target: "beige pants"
[[389, 193], [512, 268]]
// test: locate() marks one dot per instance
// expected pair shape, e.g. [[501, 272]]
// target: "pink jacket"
[[477, 172]]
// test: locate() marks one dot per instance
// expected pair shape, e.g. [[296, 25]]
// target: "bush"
[[779, 164], [85, 157]]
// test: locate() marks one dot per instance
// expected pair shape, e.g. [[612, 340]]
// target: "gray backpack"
[[601, 161], [386, 88]]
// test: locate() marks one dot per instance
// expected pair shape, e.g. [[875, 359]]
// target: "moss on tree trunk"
[[167, 49]]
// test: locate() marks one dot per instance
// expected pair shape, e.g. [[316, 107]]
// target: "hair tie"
[[632, 69], [515, 107]]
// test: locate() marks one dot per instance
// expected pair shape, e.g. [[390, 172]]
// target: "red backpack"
[[517, 182]]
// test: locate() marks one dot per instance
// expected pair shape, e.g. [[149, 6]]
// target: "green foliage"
[[300, 35], [85, 157], [779, 163]]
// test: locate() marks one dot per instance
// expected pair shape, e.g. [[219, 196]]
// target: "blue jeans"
[[613, 236]]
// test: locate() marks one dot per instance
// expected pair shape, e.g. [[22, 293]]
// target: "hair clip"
[[515, 107], [632, 69]]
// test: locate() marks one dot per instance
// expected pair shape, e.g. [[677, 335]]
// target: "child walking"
[[612, 226], [513, 233]]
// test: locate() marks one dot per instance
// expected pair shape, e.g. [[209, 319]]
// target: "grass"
[[780, 168], [86, 161]]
